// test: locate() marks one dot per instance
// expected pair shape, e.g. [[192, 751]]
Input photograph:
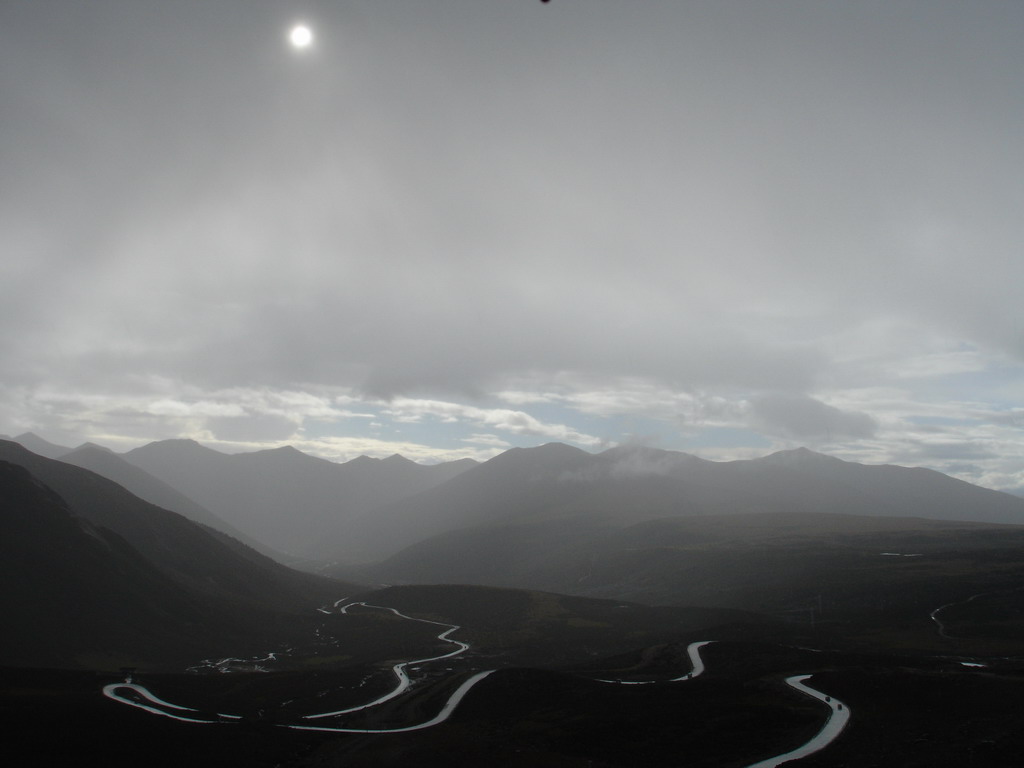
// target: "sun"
[[300, 37]]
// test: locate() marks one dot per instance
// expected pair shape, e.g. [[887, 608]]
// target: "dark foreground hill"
[[75, 594], [195, 556], [93, 576]]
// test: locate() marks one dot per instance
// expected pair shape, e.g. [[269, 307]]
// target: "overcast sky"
[[454, 226]]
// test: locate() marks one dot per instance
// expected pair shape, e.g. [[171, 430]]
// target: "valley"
[[566, 635], [565, 714]]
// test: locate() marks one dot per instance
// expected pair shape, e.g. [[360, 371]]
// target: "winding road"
[[110, 691], [696, 662], [158, 706], [399, 669], [832, 728], [444, 714], [146, 700], [934, 615], [696, 667]]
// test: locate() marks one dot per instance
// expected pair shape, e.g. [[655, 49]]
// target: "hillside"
[[139, 482], [79, 595], [193, 556], [288, 500], [39, 446], [627, 485], [855, 576]]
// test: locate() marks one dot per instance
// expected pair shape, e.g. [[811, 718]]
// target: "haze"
[[453, 227]]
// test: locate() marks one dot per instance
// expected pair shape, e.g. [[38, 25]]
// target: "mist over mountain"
[[40, 446], [284, 498], [520, 482], [553, 484], [309, 509], [111, 466]]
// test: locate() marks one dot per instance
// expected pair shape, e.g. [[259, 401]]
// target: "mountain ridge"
[[108, 464], [290, 501], [195, 556], [42, 447], [627, 485]]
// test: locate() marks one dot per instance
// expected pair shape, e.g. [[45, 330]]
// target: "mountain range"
[[288, 500], [668, 528], [556, 486], [287, 504], [113, 467], [368, 510]]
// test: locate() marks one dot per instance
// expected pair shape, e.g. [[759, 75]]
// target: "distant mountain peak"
[[176, 444], [467, 462], [549, 452], [548, 449], [799, 457], [288, 454], [284, 450], [640, 460], [90, 446], [174, 449], [547, 459], [556, 445], [644, 450], [360, 461], [40, 446], [802, 452], [394, 460]]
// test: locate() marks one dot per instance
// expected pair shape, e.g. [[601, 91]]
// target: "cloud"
[[1013, 418], [634, 461], [675, 219], [492, 441], [348, 448], [503, 419], [252, 428], [925, 452], [361, 269], [804, 418]]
